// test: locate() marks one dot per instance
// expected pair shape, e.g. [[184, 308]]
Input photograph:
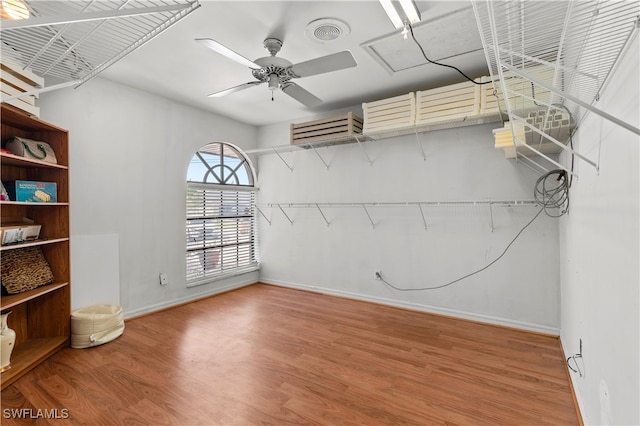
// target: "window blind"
[[220, 231]]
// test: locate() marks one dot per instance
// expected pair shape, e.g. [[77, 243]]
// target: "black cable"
[[549, 197], [571, 131], [438, 63], [553, 194], [472, 273]]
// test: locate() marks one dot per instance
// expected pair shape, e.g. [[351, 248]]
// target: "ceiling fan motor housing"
[[272, 66]]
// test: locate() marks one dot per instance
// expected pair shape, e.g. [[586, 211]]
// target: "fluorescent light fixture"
[[14, 9], [410, 9], [392, 13]]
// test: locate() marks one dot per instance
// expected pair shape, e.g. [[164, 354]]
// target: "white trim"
[[221, 187], [249, 280], [576, 390], [487, 319]]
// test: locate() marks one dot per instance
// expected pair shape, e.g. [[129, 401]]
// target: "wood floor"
[[276, 356]]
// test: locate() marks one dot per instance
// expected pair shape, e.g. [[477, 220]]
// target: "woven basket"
[[24, 269]]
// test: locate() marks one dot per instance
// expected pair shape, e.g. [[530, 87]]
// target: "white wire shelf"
[[70, 42], [417, 205], [471, 120], [555, 55], [307, 145]]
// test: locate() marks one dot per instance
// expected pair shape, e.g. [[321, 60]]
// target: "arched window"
[[221, 214]]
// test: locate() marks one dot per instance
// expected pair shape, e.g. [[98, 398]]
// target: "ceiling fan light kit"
[[278, 72]]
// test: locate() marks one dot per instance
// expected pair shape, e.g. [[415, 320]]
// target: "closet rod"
[[505, 203]]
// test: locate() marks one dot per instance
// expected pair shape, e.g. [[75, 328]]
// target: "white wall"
[[129, 153], [521, 290], [600, 258]]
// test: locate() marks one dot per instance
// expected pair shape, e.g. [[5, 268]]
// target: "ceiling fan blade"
[[234, 89], [301, 95], [223, 50], [333, 62]]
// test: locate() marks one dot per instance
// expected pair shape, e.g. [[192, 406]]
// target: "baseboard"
[[574, 394], [487, 319], [187, 299]]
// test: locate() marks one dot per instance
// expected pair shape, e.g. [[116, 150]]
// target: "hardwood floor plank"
[[276, 356]]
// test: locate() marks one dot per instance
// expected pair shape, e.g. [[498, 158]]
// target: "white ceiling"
[[175, 66]]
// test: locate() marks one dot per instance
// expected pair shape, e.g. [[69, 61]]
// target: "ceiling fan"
[[278, 72]]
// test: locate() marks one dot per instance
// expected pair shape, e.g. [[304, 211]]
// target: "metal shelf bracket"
[[320, 157], [323, 215], [363, 150], [373, 225], [285, 214], [283, 160], [263, 215], [424, 156], [424, 220]]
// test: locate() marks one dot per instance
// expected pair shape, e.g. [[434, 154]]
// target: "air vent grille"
[[325, 30]]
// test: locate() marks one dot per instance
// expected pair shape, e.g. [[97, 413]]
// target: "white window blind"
[[220, 226]]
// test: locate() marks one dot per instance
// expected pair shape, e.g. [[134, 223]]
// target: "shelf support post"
[[491, 214]]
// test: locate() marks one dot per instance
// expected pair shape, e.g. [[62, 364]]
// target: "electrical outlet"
[[378, 276], [164, 280]]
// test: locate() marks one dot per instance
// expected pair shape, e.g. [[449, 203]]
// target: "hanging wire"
[[472, 273], [439, 63], [551, 194]]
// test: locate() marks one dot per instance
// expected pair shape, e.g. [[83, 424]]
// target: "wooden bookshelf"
[[40, 317]]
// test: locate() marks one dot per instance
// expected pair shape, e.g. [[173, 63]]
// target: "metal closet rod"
[[506, 203]]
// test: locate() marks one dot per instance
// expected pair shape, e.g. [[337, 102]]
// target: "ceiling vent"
[[325, 30]]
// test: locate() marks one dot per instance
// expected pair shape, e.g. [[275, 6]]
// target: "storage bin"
[[450, 102], [325, 129], [96, 325], [389, 114]]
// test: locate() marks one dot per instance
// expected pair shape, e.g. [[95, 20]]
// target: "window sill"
[[209, 279]]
